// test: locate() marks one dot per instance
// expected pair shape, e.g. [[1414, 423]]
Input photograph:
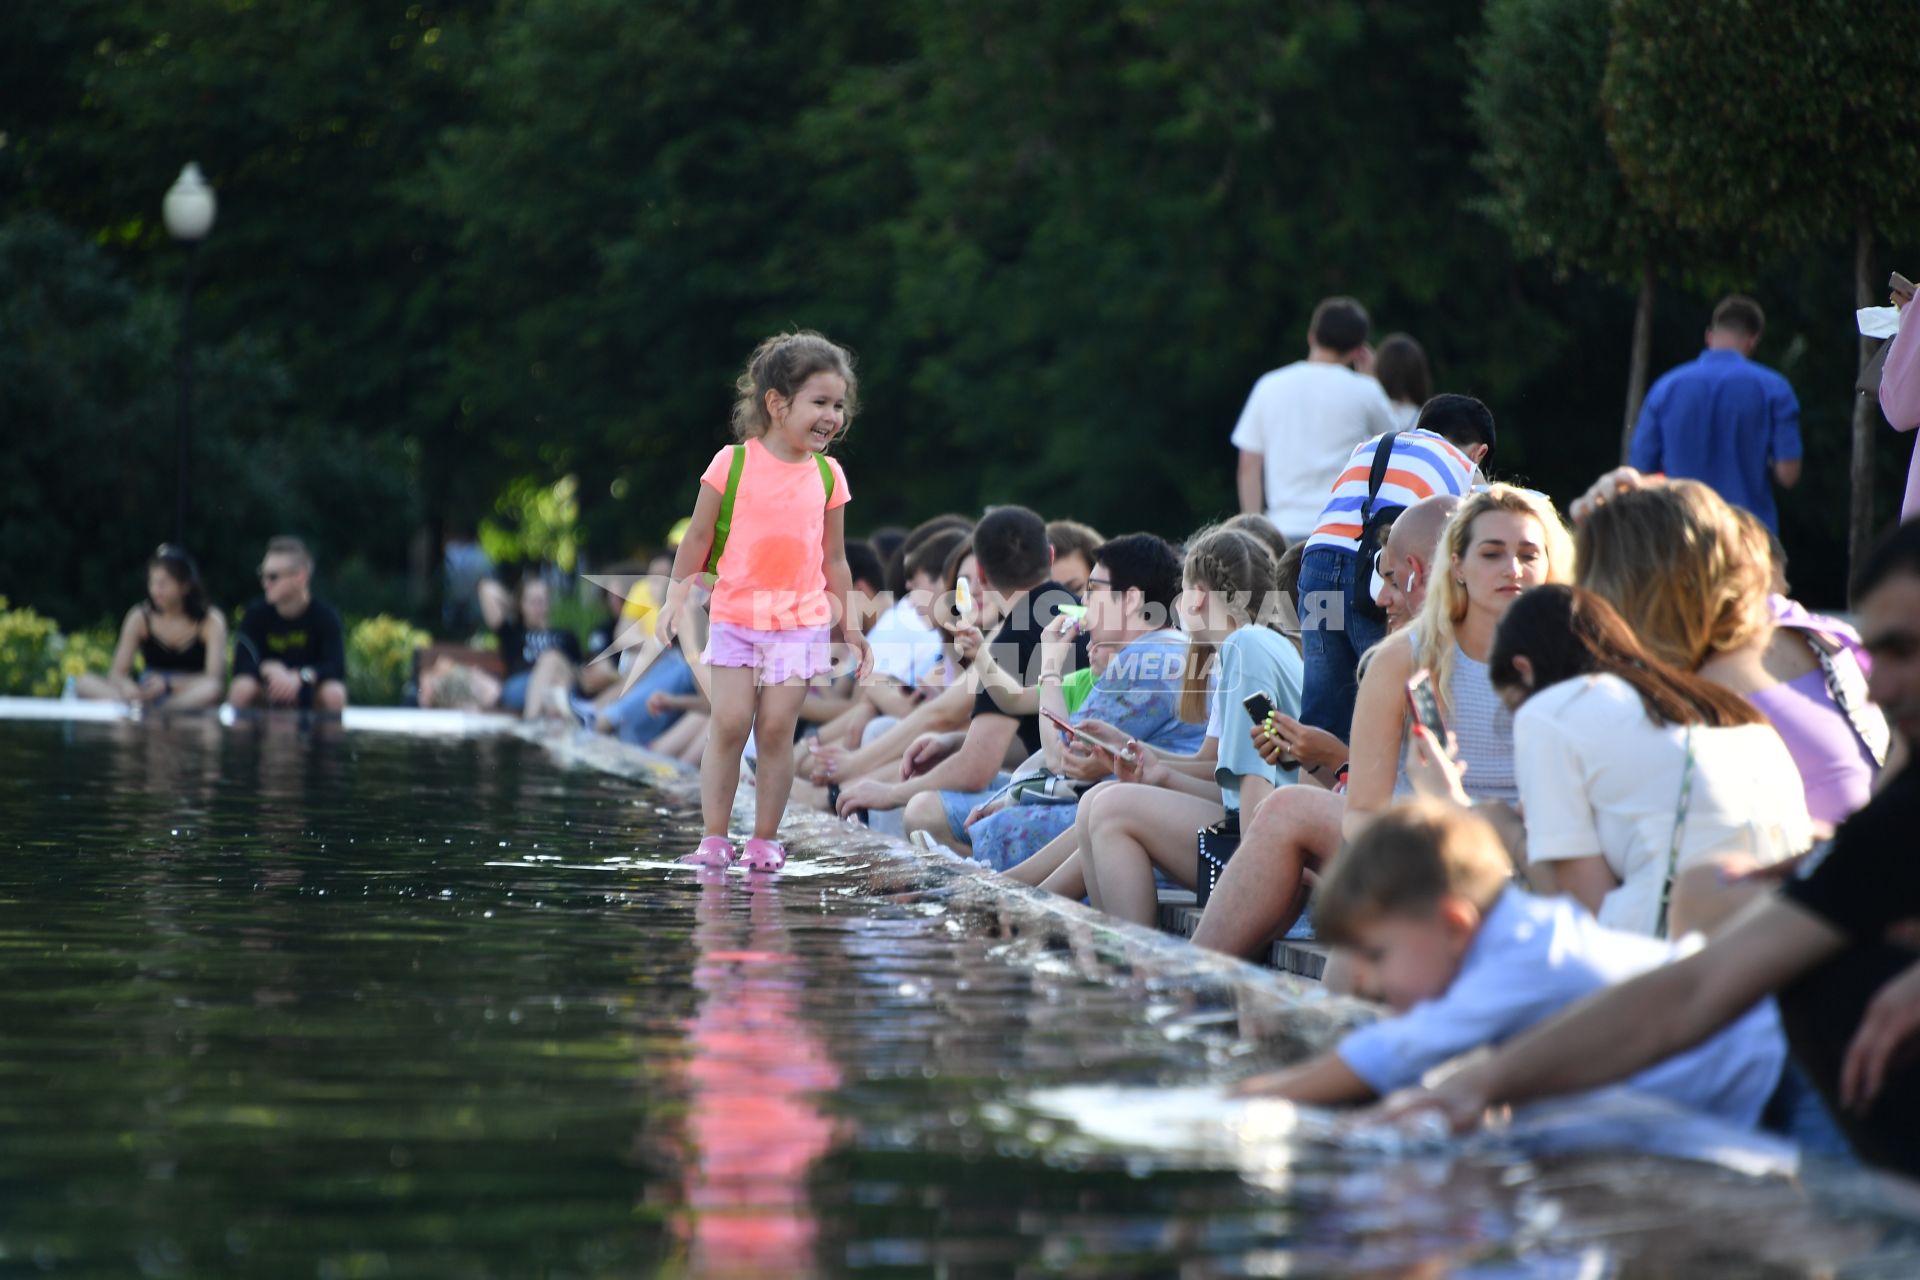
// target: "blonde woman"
[[1502, 541]]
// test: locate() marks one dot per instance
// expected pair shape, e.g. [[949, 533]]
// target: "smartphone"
[[1077, 612], [1259, 706], [1900, 284], [1061, 725], [1425, 708]]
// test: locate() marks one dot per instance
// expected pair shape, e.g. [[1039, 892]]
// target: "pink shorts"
[[778, 656]]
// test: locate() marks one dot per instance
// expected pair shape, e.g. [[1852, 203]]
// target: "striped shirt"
[[1421, 465]]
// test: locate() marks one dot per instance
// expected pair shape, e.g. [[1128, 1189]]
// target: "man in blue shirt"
[[1723, 419]]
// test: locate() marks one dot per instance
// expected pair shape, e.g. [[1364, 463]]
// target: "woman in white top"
[[1638, 780]]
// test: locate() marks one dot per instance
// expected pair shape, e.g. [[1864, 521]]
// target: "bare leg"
[[1079, 881], [106, 689], [1047, 859], [683, 733], [1069, 880], [696, 747], [773, 723], [1261, 892], [734, 690], [1134, 829], [550, 671], [244, 692], [196, 692], [924, 812]]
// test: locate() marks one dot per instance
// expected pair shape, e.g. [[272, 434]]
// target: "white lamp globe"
[[189, 206]]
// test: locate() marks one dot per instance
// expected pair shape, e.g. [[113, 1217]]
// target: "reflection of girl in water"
[[753, 1069]]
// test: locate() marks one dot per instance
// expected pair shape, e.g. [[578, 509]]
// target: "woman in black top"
[[540, 658], [180, 639]]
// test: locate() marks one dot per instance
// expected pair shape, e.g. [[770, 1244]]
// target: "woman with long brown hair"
[[1637, 778], [1692, 581]]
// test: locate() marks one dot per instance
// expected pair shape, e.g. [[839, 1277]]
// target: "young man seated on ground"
[[291, 650], [1832, 944], [1466, 959], [961, 769], [1132, 689]]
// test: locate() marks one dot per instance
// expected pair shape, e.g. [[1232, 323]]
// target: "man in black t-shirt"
[[1835, 945], [958, 770], [291, 650]]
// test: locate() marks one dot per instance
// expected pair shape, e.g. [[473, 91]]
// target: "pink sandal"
[[764, 855], [714, 851]]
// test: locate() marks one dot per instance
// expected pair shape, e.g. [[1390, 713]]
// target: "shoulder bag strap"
[[1847, 686], [1673, 846], [1377, 476], [723, 523]]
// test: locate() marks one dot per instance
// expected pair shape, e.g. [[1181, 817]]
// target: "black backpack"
[[1374, 523]]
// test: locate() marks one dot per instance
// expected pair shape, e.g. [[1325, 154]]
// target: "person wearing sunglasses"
[[179, 638], [291, 650]]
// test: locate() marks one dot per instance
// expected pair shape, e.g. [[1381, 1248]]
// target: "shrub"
[[380, 659], [29, 653], [82, 651]]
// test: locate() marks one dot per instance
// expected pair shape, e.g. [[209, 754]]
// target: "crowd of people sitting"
[[1510, 764]]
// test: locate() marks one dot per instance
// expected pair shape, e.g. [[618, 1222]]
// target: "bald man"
[[1405, 565]]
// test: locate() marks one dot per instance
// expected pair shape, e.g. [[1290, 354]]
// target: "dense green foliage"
[[466, 249]]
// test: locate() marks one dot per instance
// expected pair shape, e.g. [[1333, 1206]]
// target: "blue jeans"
[[513, 692], [1334, 635], [629, 716]]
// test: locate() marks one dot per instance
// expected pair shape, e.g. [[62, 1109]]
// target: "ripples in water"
[[286, 1000]]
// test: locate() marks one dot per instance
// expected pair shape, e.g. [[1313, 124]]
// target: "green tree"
[[1557, 191], [309, 121], [87, 407], [1791, 124], [638, 201]]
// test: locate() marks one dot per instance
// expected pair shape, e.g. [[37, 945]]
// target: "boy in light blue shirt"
[[1424, 897]]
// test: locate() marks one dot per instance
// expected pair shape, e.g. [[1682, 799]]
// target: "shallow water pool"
[[292, 1000]]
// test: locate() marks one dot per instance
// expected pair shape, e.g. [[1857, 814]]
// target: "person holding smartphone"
[[1147, 819], [1128, 690]]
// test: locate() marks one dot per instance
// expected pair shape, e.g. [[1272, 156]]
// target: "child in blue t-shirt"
[[1465, 959]]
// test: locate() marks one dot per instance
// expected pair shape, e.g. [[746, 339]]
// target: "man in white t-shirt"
[[1301, 421]]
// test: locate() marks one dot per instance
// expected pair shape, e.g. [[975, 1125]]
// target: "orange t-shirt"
[[772, 574]]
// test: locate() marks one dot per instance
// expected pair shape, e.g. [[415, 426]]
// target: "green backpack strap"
[[723, 523]]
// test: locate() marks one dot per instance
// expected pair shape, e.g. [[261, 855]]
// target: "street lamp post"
[[188, 211]]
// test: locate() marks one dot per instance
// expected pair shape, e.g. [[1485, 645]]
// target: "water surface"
[[289, 1000]]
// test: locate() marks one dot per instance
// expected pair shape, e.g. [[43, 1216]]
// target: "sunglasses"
[[271, 576]]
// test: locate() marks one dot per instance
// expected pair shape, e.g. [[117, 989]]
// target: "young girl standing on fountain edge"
[[770, 523]]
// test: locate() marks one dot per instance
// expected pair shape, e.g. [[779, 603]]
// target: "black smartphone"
[[1425, 708], [1260, 706]]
